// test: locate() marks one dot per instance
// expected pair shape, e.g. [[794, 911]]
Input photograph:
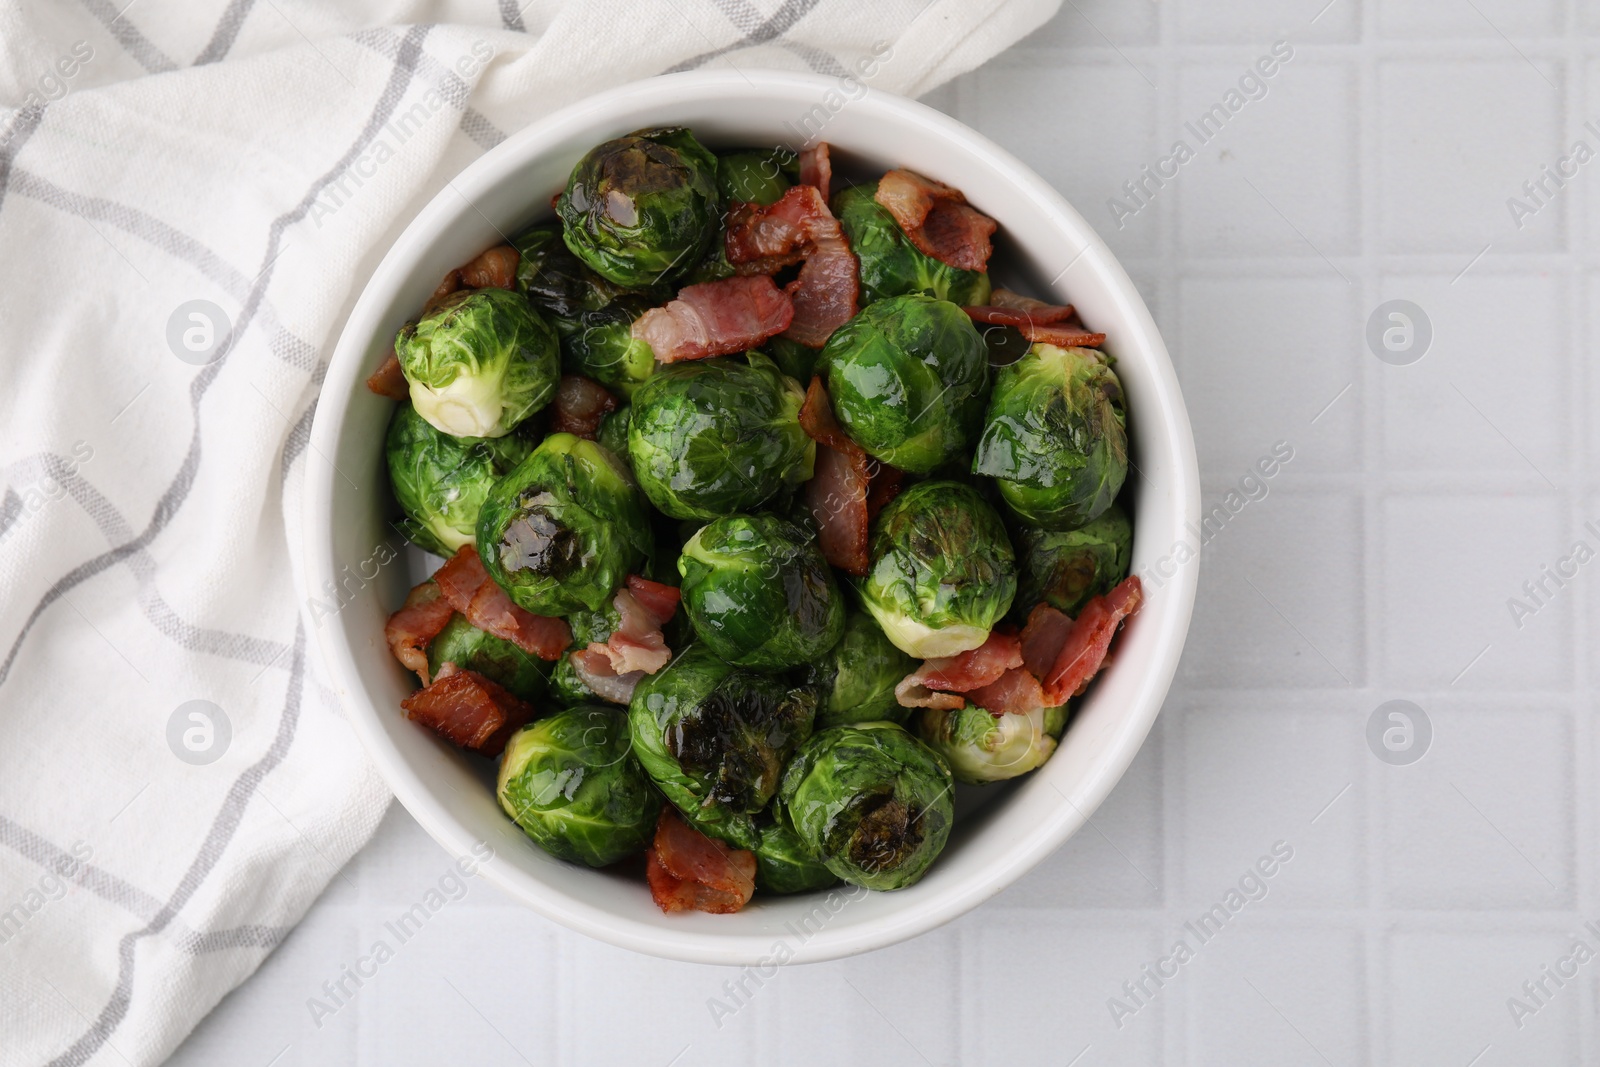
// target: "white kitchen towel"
[[191, 195]]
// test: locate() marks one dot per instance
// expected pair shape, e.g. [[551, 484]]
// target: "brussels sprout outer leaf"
[[572, 785], [441, 481], [890, 264], [872, 801], [759, 592], [943, 571], [856, 679], [1055, 438], [479, 363], [907, 377], [563, 529]]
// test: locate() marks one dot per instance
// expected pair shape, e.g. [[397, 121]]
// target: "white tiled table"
[[1419, 898]]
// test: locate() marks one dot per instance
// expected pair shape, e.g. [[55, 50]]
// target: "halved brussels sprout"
[[872, 801], [907, 377], [890, 263], [785, 865], [759, 176], [982, 747], [1056, 439], [856, 679], [715, 738], [495, 658], [643, 208], [942, 571], [759, 592], [571, 783], [479, 363], [717, 436], [1067, 568], [600, 345], [441, 481], [564, 528]]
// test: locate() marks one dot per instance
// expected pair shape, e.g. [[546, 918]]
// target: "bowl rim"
[[345, 374]]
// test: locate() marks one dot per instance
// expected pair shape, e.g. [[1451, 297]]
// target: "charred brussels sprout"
[[600, 345], [495, 658], [555, 280], [871, 801], [564, 528], [907, 376], [1066, 568], [715, 738], [785, 865], [942, 572], [982, 747], [571, 783], [760, 176], [643, 208], [855, 681], [891, 264], [479, 363], [441, 481], [759, 592], [717, 436], [1055, 439]]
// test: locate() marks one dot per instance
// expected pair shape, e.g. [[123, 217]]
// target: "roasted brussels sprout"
[[855, 681], [715, 738], [942, 571], [613, 432], [871, 801], [792, 357], [495, 658], [564, 528], [713, 437], [756, 177], [891, 264], [982, 747], [441, 481], [479, 363], [907, 377], [1066, 568], [759, 592], [600, 345], [1055, 439], [643, 208], [555, 280], [785, 865], [571, 783]]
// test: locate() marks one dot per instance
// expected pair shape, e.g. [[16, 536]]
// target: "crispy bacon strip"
[[688, 870], [837, 493], [885, 486], [1062, 335], [658, 598], [937, 220], [470, 590], [420, 619], [469, 710], [494, 269], [1017, 690], [816, 168], [579, 406], [799, 226], [939, 682], [999, 315], [716, 319], [389, 380], [1065, 654]]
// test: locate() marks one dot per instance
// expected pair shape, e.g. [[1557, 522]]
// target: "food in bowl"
[[716, 460]]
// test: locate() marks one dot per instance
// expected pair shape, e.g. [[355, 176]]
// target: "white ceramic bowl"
[[1001, 832]]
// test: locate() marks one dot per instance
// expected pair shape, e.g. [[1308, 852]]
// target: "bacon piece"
[[389, 380], [1017, 690], [1062, 335], [1000, 315], [937, 220], [637, 643], [837, 497], [938, 681], [469, 710], [799, 226], [659, 599], [688, 870], [1065, 657], [885, 486], [450, 284], [470, 590], [579, 406], [419, 620], [1005, 298], [593, 667], [816, 419], [816, 168], [716, 319], [494, 269]]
